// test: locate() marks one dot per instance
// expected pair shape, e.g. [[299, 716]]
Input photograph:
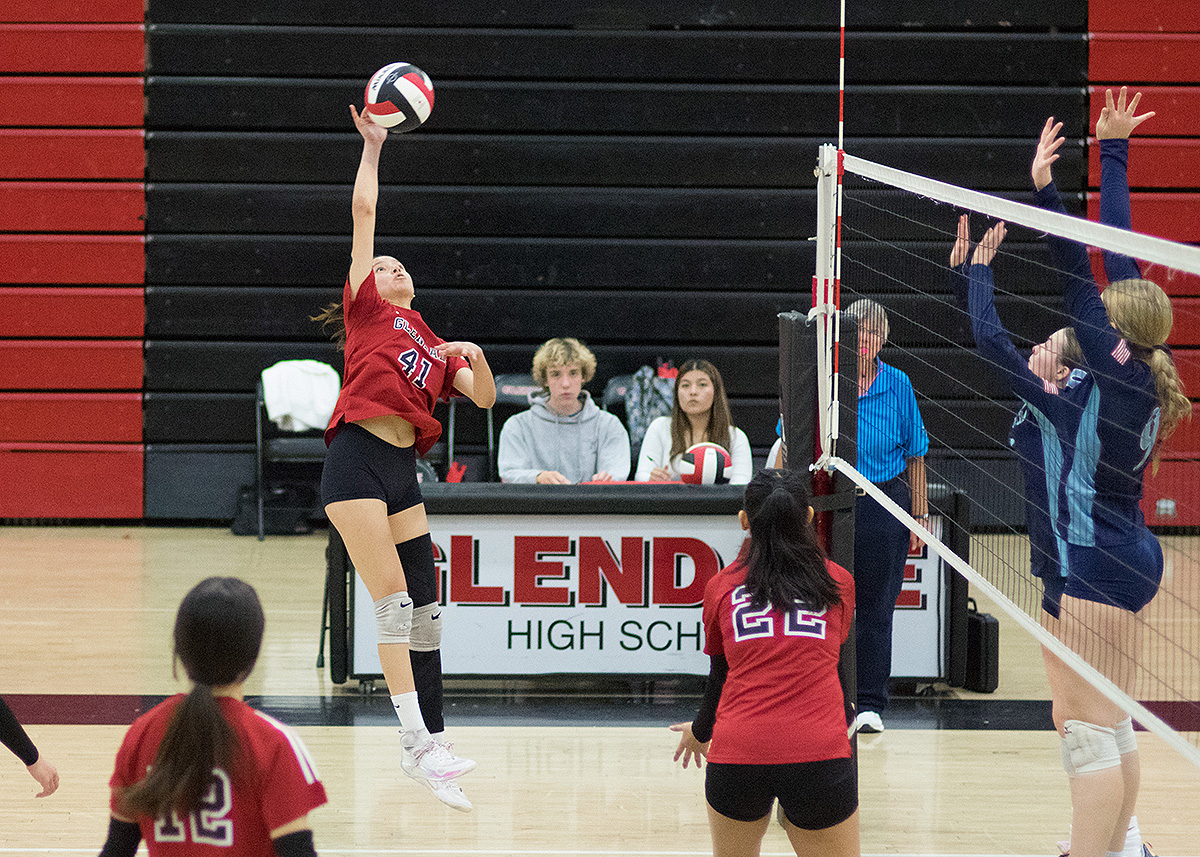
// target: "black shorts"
[[360, 465], [813, 795]]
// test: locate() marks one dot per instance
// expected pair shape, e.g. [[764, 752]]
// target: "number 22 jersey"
[[274, 784], [782, 702]]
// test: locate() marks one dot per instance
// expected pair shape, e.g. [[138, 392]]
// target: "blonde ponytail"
[[1175, 405]]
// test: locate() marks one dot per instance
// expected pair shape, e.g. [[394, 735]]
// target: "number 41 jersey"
[[274, 784], [782, 702]]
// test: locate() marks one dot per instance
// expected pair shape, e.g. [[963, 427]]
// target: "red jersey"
[[392, 366], [782, 702], [276, 783]]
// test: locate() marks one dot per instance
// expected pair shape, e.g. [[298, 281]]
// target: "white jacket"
[[657, 446]]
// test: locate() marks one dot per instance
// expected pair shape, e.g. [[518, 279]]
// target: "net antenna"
[[831, 164]]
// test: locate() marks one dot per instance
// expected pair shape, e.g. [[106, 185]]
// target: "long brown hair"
[[720, 422], [333, 322], [218, 634]]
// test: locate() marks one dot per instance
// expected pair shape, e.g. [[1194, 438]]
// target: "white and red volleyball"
[[399, 97], [705, 464]]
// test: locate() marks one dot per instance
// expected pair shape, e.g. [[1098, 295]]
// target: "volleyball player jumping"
[[396, 371]]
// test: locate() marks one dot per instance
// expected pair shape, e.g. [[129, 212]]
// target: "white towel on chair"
[[300, 394]]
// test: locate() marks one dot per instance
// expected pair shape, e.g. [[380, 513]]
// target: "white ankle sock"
[[1133, 840], [412, 724]]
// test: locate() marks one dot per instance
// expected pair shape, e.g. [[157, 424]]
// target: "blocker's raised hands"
[[1047, 153], [962, 241], [988, 245], [1118, 120]]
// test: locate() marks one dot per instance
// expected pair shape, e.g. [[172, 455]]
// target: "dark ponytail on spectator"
[[784, 563], [218, 634]]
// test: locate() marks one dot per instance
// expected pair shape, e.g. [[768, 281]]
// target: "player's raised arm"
[[366, 196]]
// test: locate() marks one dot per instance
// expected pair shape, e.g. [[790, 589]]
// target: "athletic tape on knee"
[[1126, 739], [394, 617], [1092, 748], [426, 628]]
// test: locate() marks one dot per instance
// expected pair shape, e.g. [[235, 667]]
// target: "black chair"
[[273, 446]]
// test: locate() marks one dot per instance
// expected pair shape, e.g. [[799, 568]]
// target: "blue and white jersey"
[[1119, 423], [890, 428]]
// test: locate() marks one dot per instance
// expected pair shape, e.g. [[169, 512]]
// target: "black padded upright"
[[638, 174]]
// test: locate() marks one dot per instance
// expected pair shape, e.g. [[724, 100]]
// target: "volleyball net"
[[888, 235]]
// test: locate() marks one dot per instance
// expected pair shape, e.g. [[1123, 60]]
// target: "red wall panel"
[[1175, 216], [80, 311], [72, 207], [1174, 283], [70, 364], [72, 48], [39, 153], [72, 101], [1187, 361], [1186, 438], [83, 259], [1171, 497], [1176, 108], [35, 11], [71, 480], [1166, 16], [1144, 58], [1154, 162], [71, 417]]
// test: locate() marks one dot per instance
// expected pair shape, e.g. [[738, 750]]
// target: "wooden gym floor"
[[85, 618]]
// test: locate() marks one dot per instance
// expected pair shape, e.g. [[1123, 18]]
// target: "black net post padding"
[[338, 575], [956, 533]]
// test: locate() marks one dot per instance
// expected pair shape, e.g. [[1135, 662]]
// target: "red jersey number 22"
[[415, 366], [750, 624]]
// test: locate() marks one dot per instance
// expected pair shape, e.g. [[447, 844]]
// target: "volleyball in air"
[[399, 97], [705, 464]]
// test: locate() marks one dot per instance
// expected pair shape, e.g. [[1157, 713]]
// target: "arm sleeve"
[[13, 736], [994, 344], [123, 838], [516, 457], [1114, 205], [1099, 341], [613, 454], [453, 365], [741, 457], [656, 446], [706, 716], [957, 278]]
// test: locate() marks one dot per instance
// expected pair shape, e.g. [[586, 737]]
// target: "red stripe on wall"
[[73, 311], [1175, 216], [71, 480], [1144, 58], [82, 259], [72, 101], [38, 11], [70, 364], [72, 207], [72, 48], [1154, 163], [38, 153], [71, 417], [1163, 16]]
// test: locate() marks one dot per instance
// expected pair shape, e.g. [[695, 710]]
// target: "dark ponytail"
[[785, 563], [218, 634]]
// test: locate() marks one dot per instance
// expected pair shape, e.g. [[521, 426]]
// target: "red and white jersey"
[[274, 784], [782, 702], [392, 366]]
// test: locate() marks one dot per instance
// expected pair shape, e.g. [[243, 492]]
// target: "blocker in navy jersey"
[[399, 97]]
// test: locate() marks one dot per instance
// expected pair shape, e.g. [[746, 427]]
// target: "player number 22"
[[750, 624], [415, 366], [207, 825]]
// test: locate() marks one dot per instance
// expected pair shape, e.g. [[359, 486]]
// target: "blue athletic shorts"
[[1126, 576], [813, 795], [360, 465]]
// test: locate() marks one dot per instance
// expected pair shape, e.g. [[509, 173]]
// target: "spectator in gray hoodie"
[[563, 438]]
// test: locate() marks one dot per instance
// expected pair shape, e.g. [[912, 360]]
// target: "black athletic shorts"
[[813, 795], [359, 464]]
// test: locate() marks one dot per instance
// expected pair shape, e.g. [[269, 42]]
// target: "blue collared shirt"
[[890, 429]]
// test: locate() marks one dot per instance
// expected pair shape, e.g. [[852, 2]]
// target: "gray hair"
[[869, 314]]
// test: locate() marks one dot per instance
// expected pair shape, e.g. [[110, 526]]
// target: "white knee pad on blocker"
[[394, 617], [1088, 748], [426, 628], [1126, 739]]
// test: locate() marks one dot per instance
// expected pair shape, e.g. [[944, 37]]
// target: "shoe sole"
[[432, 783]]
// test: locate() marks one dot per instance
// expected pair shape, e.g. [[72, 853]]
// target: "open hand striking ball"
[[705, 464], [399, 97]]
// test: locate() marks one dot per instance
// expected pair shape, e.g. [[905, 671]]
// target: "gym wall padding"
[[637, 174], [1157, 51], [72, 259]]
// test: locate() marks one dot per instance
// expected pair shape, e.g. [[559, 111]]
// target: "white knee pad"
[[1088, 748], [1126, 739], [394, 617], [426, 628]]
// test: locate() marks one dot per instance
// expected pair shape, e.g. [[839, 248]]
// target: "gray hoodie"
[[578, 446]]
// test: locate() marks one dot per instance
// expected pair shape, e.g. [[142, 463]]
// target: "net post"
[[825, 300], [956, 533]]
